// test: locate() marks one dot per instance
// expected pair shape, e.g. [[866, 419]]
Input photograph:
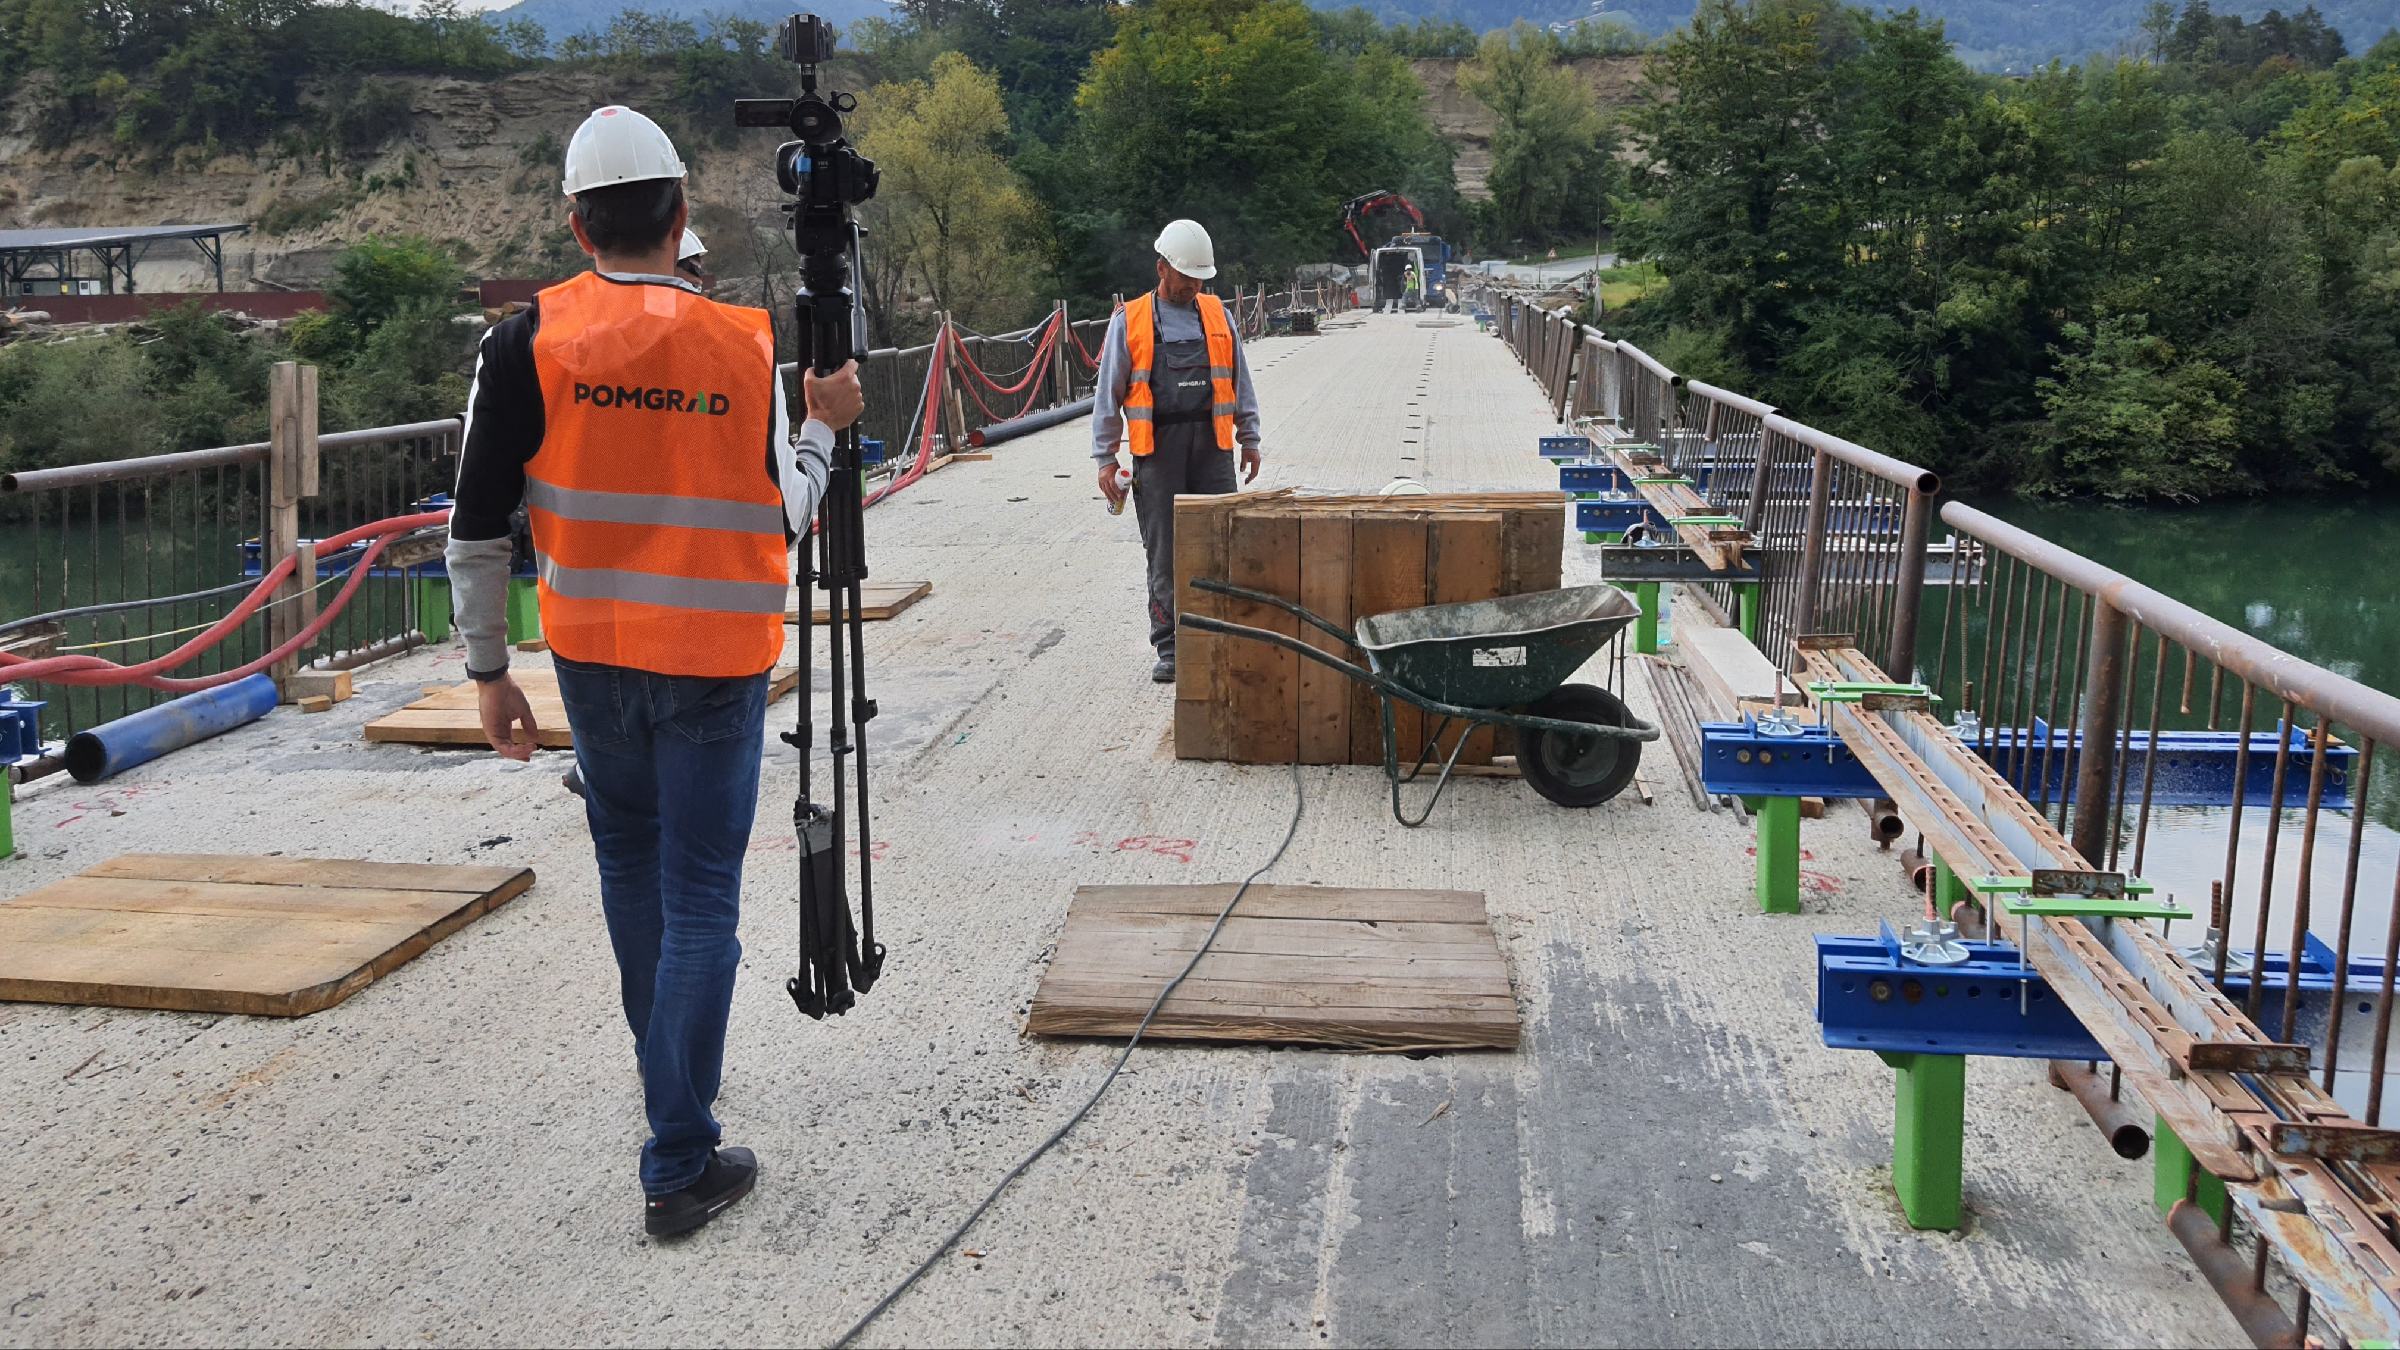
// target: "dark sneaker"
[[1164, 671], [730, 1174]]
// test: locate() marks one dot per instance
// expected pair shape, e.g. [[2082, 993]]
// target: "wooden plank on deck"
[[278, 937], [1323, 965]]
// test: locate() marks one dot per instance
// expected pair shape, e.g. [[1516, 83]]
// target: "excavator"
[[1389, 265]]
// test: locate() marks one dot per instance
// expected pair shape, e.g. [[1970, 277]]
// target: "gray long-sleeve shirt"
[[1176, 323], [504, 429]]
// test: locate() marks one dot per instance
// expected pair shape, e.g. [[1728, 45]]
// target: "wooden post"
[[957, 422], [291, 479], [1062, 374]]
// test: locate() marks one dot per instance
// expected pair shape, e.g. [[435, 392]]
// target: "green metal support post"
[[1948, 890], [8, 836], [1929, 1137], [1747, 594], [2171, 1179], [524, 611], [1778, 853], [1645, 628], [433, 606]]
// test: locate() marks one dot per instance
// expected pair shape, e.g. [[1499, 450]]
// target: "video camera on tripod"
[[826, 177]]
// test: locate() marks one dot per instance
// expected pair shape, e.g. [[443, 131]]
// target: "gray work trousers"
[[1185, 461]]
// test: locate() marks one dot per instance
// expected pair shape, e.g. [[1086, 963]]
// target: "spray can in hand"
[[1124, 491]]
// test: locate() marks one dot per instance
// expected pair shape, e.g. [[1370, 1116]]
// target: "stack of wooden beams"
[[1344, 558]]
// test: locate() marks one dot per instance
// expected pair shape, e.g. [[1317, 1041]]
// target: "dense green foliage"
[[390, 352], [2105, 280], [166, 73]]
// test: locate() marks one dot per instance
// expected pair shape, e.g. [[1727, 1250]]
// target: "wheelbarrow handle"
[[1215, 587], [1317, 654]]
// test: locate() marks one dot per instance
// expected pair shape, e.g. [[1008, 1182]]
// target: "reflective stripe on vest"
[[657, 521], [1140, 349]]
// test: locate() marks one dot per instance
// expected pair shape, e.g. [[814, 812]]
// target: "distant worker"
[[1174, 384], [644, 428], [689, 264], [1412, 289]]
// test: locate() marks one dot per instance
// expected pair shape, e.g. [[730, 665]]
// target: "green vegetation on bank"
[[389, 352], [2177, 279]]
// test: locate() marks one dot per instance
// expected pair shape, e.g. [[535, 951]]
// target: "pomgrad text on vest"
[[653, 399]]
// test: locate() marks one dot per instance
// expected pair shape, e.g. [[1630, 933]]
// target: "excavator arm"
[[1358, 208]]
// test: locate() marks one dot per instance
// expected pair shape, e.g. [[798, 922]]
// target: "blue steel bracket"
[[1635, 562], [1870, 997], [2195, 768], [1617, 517], [1737, 759], [1592, 478], [20, 725], [1567, 447]]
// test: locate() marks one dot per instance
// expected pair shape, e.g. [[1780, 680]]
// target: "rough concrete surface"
[[1672, 1158]]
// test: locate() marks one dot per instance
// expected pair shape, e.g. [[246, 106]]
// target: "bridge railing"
[[127, 559], [1834, 522], [2112, 710]]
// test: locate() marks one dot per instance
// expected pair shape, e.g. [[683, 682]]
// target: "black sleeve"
[[504, 429]]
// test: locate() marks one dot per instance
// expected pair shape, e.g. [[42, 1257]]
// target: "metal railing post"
[[1909, 586], [2103, 711], [1812, 542]]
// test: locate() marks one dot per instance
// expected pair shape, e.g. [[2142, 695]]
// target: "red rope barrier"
[[93, 672]]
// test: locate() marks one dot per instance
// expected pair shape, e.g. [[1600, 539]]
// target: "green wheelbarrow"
[[1495, 663]]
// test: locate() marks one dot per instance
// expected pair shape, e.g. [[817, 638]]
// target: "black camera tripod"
[[826, 178]]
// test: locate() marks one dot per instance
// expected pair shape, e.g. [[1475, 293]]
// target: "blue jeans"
[[670, 787]]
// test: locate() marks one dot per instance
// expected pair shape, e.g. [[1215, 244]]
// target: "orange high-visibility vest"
[[1141, 338], [658, 527]]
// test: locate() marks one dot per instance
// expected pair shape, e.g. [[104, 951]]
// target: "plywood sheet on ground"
[[448, 716], [876, 600], [278, 937], [1320, 965]]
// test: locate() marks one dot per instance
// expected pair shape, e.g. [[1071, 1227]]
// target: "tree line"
[[2173, 273], [2174, 278]]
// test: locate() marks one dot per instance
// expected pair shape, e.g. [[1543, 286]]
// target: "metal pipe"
[[2228, 1274], [373, 651], [1728, 398], [1812, 544], [123, 470], [2368, 711], [111, 748], [40, 766], [1651, 364], [1858, 456], [2114, 1115], [1884, 824], [1000, 432]]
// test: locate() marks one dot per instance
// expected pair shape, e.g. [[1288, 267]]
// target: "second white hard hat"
[[618, 145], [1185, 246], [691, 248]]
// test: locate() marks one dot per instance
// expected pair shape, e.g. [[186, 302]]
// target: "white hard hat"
[[691, 248], [618, 145], [1185, 246]]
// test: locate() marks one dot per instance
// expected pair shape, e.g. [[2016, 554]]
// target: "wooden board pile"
[[1343, 558]]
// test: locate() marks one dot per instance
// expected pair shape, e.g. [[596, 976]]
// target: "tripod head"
[[826, 177]]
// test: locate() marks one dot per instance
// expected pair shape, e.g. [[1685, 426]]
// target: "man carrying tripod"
[[644, 428]]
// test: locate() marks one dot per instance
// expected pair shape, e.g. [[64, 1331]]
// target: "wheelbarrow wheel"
[[1578, 770]]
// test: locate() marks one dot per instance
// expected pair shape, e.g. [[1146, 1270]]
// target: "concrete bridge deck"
[[1671, 1159]]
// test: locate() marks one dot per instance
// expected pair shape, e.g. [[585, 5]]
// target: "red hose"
[[83, 670]]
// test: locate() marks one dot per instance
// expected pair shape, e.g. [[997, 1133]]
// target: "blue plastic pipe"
[[113, 747]]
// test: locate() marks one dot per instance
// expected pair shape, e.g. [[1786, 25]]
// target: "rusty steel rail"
[[2314, 1184]]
